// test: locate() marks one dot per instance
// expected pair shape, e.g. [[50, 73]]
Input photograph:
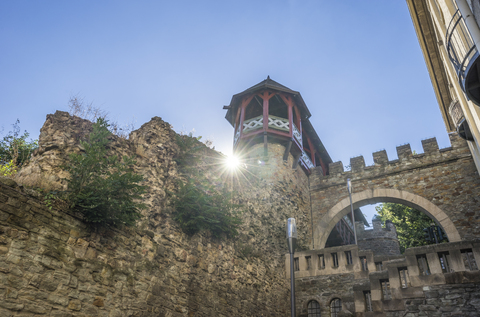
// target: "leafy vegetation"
[[15, 150], [199, 208], [103, 188], [409, 223], [199, 205]]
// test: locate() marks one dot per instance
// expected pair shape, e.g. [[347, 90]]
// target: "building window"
[[469, 260], [308, 259], [423, 264], [363, 261], [335, 307], [368, 300], [385, 285], [348, 255], [296, 264], [335, 259], [379, 266], [321, 262], [444, 258], [313, 308], [403, 273]]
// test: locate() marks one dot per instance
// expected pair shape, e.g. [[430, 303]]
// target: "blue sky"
[[357, 64]]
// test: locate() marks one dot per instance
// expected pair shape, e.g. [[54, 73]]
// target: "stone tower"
[[382, 241]]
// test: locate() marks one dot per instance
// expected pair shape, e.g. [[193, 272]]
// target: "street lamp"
[[292, 241], [349, 188]]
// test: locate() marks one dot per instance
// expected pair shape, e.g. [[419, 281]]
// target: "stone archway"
[[443, 183], [372, 196]]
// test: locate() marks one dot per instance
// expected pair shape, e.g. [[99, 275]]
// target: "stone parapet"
[[391, 282], [406, 160]]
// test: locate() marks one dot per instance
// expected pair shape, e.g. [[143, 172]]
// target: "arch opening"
[[327, 223]]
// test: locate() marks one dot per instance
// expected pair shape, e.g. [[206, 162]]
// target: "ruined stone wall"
[[52, 264], [442, 183]]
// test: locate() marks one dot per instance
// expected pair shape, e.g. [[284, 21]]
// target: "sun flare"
[[232, 161]]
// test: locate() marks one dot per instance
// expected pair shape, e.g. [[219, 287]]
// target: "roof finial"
[[268, 77]]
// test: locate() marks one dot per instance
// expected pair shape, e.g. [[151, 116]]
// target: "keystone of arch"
[[373, 196]]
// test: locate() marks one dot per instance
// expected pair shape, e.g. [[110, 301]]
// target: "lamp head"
[[291, 228], [349, 186]]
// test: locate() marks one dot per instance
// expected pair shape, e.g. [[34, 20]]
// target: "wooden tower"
[[272, 113]]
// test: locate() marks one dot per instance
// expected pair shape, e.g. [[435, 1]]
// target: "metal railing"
[[460, 46]]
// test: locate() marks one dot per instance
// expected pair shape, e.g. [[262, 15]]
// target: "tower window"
[[469, 260], [423, 264], [321, 262], [335, 307], [368, 300], [334, 259], [308, 259], [296, 264], [403, 273], [313, 308], [363, 261], [444, 258], [348, 255], [385, 285]]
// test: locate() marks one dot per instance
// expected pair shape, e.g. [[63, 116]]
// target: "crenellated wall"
[[443, 183], [381, 241]]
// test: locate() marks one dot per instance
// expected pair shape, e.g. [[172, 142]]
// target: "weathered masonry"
[[51, 264], [372, 278], [442, 183]]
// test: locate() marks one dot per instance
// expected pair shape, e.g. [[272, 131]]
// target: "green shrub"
[[103, 188], [203, 208], [198, 205], [8, 169], [15, 150]]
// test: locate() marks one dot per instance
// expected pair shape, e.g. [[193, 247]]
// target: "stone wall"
[[442, 183], [381, 241], [446, 290], [52, 264]]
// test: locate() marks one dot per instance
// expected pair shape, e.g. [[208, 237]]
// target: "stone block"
[[380, 157], [357, 163], [430, 146], [335, 168], [404, 151], [456, 141]]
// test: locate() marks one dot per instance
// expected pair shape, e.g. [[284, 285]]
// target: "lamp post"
[[292, 241], [349, 188]]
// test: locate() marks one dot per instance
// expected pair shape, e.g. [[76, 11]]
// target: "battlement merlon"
[[406, 159]]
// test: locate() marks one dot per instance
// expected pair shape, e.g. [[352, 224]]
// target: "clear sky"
[[357, 64]]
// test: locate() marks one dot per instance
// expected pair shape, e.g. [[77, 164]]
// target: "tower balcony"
[[463, 54], [255, 125], [458, 118], [269, 112]]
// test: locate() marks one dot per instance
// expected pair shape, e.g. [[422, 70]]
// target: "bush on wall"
[[199, 205], [103, 188]]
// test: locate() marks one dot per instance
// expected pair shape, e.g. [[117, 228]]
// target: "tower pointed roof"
[[267, 84]]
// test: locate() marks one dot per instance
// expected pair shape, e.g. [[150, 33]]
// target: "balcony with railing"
[[463, 54], [274, 122], [458, 118]]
